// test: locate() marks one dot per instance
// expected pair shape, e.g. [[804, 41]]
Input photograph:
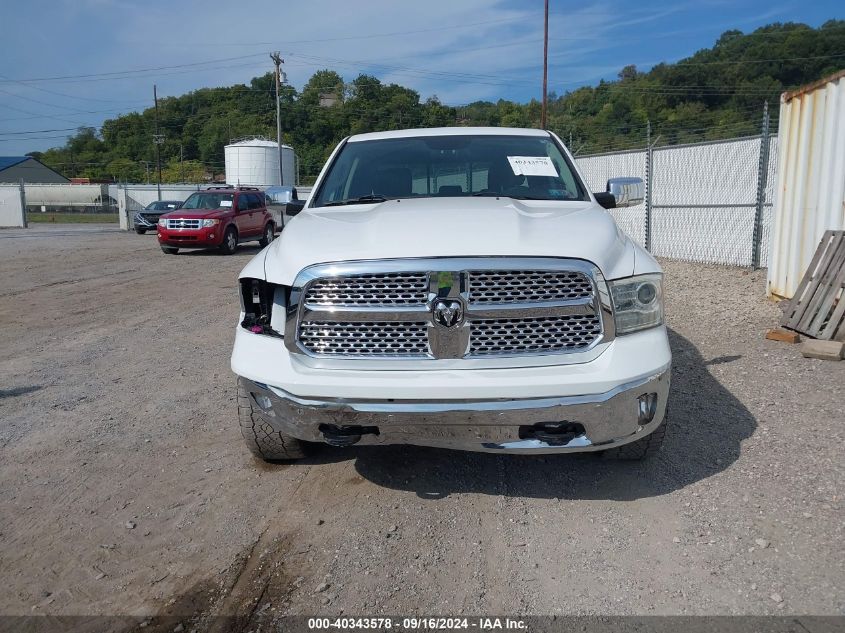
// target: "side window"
[[255, 201], [243, 202]]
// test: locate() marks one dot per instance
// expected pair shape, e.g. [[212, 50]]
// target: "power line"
[[63, 94], [67, 129], [133, 71], [756, 61]]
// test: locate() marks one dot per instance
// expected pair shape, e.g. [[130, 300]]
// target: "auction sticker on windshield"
[[225, 203], [532, 166]]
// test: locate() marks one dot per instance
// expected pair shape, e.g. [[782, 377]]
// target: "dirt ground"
[[127, 489]]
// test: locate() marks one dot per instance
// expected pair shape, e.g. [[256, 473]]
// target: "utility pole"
[[279, 61], [158, 139], [545, 65], [181, 169]]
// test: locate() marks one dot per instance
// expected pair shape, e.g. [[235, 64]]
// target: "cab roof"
[[449, 131]]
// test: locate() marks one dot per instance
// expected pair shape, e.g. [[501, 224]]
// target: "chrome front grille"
[[182, 224], [448, 308], [527, 286], [533, 335], [390, 289], [365, 338]]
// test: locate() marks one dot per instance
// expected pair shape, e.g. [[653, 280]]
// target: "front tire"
[[269, 234], [140, 231], [262, 440], [230, 241], [642, 448], [169, 250]]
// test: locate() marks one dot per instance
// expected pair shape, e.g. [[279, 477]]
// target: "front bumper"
[[143, 223], [190, 238], [564, 424]]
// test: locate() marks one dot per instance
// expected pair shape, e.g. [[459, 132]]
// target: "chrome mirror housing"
[[628, 192]]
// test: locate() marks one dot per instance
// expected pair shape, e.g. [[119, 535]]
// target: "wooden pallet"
[[818, 307]]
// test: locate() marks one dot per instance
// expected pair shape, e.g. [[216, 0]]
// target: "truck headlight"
[[257, 298], [207, 223], [162, 222], [637, 302]]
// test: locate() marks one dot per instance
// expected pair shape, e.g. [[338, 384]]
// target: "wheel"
[[261, 439], [169, 250], [642, 448], [269, 234], [140, 231], [230, 241]]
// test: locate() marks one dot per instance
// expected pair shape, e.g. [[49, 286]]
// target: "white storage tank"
[[255, 162]]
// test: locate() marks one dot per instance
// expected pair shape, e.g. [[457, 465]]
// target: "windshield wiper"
[[505, 195], [362, 200]]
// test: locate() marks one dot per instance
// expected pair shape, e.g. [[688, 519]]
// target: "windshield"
[[206, 200], [162, 205], [522, 167]]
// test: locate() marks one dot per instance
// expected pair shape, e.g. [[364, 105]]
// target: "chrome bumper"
[[539, 425]]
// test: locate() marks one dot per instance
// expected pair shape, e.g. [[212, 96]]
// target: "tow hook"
[[553, 433], [345, 435]]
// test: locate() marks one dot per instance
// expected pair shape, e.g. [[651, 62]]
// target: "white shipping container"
[[255, 163], [810, 190]]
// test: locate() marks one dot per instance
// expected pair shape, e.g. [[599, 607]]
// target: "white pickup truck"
[[456, 288]]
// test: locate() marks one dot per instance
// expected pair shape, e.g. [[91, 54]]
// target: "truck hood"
[[449, 227]]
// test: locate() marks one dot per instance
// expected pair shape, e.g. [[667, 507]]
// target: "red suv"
[[219, 217]]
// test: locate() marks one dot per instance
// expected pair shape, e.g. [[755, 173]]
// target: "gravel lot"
[[127, 489]]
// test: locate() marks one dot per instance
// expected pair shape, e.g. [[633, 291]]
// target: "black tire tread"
[[642, 448], [223, 248], [263, 242], [261, 439]]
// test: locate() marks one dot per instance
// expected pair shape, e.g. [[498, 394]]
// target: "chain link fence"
[[706, 202], [598, 168]]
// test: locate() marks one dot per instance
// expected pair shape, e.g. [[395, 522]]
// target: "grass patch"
[[72, 218]]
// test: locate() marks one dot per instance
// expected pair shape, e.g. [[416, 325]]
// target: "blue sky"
[[67, 63]]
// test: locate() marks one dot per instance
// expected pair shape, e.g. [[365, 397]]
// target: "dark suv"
[[147, 218], [218, 217]]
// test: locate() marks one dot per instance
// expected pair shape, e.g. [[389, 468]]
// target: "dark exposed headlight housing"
[[257, 305]]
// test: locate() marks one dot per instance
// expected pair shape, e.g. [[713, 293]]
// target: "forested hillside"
[[716, 93]]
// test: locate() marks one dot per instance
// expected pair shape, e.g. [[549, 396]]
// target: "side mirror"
[[605, 199], [626, 192], [293, 207]]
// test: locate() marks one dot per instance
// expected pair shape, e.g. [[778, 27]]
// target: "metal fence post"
[[762, 177], [649, 180], [24, 222]]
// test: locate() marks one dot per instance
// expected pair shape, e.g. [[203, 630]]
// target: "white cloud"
[[460, 51]]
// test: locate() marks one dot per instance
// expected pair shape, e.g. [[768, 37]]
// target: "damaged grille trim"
[[509, 298]]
